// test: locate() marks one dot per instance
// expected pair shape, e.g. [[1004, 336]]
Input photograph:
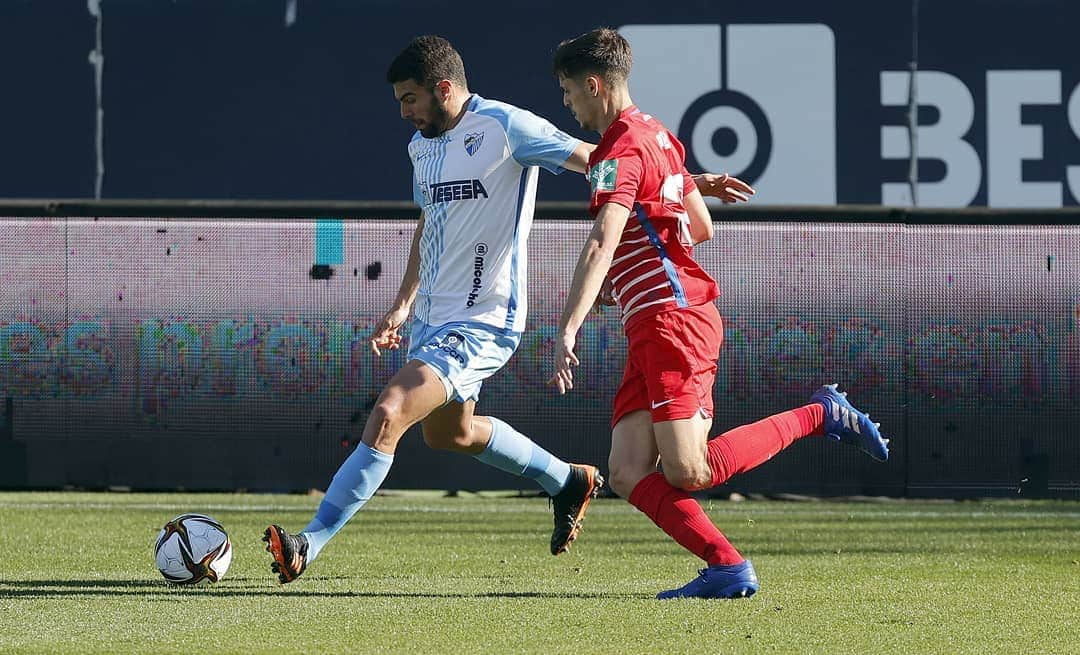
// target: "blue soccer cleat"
[[718, 581], [848, 425]]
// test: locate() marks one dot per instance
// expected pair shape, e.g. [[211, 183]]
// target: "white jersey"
[[477, 186]]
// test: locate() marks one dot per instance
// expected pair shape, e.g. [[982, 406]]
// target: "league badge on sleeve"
[[473, 141], [602, 176]]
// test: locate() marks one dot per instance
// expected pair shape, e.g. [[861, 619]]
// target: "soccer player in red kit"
[[648, 214]]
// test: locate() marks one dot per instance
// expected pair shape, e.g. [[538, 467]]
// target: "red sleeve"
[[616, 175]]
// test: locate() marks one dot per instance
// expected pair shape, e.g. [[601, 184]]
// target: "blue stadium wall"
[[201, 353], [286, 99]]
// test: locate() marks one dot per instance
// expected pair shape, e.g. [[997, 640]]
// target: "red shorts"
[[671, 364]]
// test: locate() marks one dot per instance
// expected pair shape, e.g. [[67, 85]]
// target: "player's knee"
[[442, 439], [387, 418], [688, 478], [623, 486], [385, 425], [622, 479], [436, 439]]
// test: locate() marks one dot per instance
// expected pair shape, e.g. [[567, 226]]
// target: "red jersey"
[[640, 165]]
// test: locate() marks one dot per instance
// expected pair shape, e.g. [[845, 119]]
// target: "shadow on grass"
[[113, 588], [107, 583]]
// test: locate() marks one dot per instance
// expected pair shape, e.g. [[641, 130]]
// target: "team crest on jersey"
[[602, 176], [473, 141]]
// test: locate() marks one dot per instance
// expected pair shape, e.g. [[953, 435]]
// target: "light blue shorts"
[[462, 354]]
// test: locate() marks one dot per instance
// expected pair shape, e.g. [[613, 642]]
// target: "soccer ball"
[[193, 548]]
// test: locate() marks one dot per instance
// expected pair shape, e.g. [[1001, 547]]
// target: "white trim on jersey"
[[631, 254], [641, 278], [630, 303], [620, 276], [627, 315]]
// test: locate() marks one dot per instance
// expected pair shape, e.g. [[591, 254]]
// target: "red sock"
[[747, 446], [679, 515]]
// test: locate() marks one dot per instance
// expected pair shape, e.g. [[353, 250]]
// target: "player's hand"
[[725, 187], [385, 336], [563, 379], [606, 296]]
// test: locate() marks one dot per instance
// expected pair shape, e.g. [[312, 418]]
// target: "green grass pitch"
[[419, 573]]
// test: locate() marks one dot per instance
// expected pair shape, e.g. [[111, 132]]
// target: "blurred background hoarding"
[[203, 354], [287, 99]]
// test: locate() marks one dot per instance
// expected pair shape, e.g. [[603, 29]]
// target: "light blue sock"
[[353, 485], [513, 452]]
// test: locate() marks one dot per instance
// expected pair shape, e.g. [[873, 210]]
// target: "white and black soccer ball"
[[193, 548]]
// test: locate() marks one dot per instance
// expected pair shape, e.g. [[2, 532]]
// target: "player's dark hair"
[[602, 52], [427, 60]]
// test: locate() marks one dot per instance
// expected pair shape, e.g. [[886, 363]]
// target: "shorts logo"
[[473, 141], [602, 176], [449, 345]]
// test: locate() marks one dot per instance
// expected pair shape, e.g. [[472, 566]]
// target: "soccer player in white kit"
[[475, 169]]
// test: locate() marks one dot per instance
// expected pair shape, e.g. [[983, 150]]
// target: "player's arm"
[[534, 141], [725, 187], [386, 336], [578, 161], [592, 267], [701, 227]]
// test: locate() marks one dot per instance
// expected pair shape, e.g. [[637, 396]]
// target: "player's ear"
[[593, 85], [442, 90]]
